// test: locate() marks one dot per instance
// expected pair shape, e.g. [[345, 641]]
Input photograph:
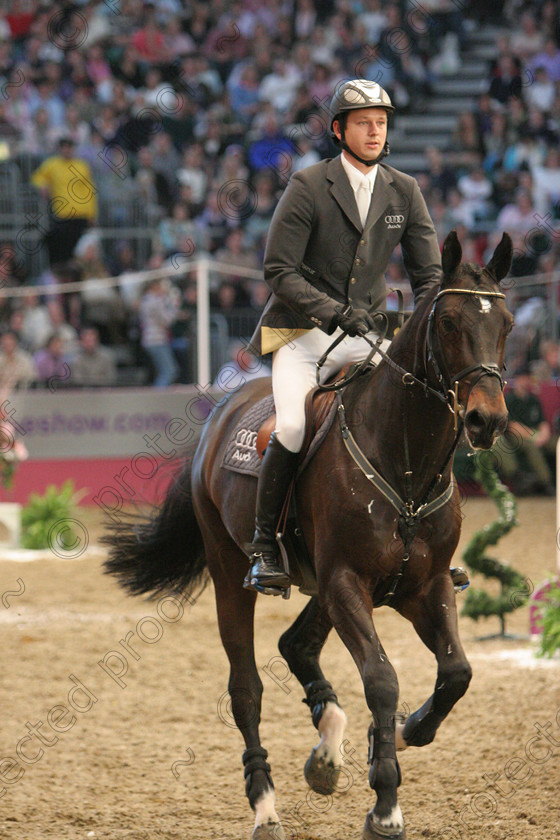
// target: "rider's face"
[[366, 131]]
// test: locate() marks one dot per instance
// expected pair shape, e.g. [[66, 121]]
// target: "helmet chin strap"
[[384, 152]]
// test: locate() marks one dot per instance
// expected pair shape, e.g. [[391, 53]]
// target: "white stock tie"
[[363, 198]]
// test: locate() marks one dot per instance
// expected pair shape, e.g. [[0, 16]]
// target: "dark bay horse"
[[369, 547]]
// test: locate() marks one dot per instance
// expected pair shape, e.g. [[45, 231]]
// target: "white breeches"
[[293, 376]]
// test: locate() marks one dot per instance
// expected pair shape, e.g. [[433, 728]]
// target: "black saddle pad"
[[241, 451]]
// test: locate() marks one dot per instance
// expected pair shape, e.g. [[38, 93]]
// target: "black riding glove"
[[355, 321]]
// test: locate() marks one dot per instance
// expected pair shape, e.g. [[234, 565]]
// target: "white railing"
[[204, 265], [201, 267]]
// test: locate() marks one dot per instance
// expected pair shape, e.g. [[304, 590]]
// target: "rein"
[[410, 512]]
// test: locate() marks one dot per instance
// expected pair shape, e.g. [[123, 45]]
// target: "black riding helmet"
[[350, 96]]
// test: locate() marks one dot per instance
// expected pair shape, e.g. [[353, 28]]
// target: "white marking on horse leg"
[[393, 820], [331, 729], [265, 809], [400, 743]]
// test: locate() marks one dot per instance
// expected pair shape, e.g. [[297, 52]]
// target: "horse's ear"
[[500, 263], [451, 255]]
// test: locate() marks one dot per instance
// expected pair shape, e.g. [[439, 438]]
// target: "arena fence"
[[546, 287]]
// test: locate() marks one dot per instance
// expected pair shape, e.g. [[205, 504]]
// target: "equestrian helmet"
[[359, 93]]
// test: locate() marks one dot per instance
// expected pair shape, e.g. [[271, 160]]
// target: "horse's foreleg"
[[435, 620], [353, 622], [236, 607], [301, 646]]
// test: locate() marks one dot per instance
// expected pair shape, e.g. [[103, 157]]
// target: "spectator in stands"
[[476, 191], [16, 366], [158, 311], [68, 182], [518, 217], [176, 229], [541, 93], [496, 141], [374, 19], [458, 212], [191, 173], [44, 96], [264, 202], [507, 82], [547, 367], [441, 177], [39, 138], [549, 58], [216, 220], [60, 325], [93, 365], [244, 94], [549, 24], [466, 140], [237, 254], [152, 187], [528, 437], [36, 325], [305, 153], [546, 182], [166, 159], [527, 41], [149, 41], [272, 149], [50, 363]]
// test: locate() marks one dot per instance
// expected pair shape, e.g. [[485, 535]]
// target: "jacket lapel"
[[382, 197], [343, 193]]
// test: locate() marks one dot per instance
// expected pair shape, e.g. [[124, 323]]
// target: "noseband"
[[450, 385]]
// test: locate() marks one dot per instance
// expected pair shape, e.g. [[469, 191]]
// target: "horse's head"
[[469, 326]]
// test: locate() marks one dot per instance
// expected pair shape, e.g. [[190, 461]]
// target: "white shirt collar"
[[355, 176]]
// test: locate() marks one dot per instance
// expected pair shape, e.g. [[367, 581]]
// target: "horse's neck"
[[390, 419]]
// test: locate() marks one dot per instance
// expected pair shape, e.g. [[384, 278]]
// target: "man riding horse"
[[331, 239]]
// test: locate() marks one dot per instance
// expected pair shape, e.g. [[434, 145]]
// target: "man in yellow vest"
[[67, 182]]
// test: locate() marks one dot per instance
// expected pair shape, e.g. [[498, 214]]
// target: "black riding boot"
[[266, 575]]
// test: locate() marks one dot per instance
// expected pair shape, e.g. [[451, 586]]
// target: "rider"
[[330, 240]]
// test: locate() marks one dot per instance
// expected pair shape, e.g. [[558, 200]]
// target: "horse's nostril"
[[475, 420]]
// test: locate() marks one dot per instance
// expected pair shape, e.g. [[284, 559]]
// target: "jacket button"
[[362, 241], [353, 280], [357, 261]]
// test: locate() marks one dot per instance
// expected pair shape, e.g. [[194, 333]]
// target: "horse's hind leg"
[[435, 620], [301, 646], [236, 607]]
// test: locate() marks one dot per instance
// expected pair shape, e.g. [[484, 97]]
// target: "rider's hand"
[[355, 321]]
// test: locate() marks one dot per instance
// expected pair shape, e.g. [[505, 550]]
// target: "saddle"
[[318, 404]]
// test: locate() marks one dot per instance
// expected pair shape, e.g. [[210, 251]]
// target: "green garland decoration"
[[514, 589]]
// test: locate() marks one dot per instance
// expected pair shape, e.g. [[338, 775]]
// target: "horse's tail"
[[163, 552]]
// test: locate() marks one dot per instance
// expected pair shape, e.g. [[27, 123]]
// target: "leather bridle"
[[450, 385]]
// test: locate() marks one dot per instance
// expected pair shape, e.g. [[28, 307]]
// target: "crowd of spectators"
[[196, 114]]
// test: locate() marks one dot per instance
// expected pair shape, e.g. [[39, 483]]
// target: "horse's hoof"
[[375, 831], [269, 831], [321, 774]]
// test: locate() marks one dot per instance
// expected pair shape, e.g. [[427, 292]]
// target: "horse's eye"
[[447, 324]]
